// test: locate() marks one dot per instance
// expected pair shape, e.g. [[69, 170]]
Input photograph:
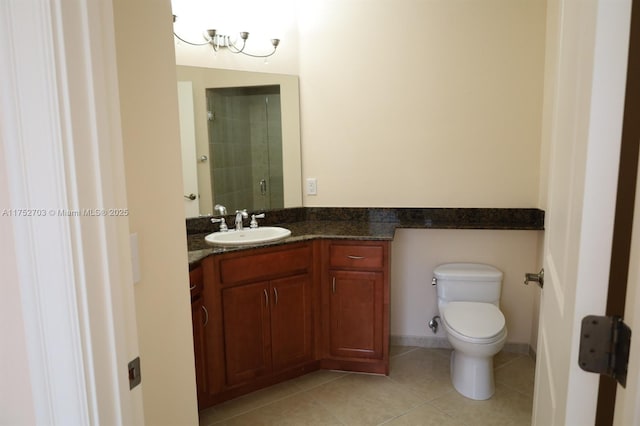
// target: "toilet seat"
[[474, 322]]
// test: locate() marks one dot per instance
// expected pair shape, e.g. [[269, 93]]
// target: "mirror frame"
[[212, 78]]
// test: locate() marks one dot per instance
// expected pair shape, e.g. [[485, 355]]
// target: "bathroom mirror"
[[240, 137]]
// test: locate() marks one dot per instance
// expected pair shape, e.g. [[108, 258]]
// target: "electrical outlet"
[[312, 186]]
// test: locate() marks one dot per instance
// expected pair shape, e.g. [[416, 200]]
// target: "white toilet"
[[468, 300]]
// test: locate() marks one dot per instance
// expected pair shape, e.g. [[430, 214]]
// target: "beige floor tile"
[[400, 350], [247, 403], [518, 374], [424, 372], [317, 378], [506, 407], [430, 362], [502, 358], [424, 415], [296, 410], [207, 417], [360, 399], [417, 375]]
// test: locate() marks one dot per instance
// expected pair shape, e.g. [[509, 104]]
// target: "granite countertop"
[[300, 231], [364, 224]]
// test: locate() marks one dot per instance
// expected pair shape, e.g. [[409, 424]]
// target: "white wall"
[[422, 103], [412, 103], [404, 103], [416, 253], [151, 142]]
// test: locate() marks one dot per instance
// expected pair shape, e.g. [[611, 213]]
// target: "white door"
[[586, 57], [66, 255], [188, 143]]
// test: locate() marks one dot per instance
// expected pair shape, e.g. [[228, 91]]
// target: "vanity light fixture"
[[223, 41]]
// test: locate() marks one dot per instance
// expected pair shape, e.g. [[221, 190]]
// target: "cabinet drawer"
[[356, 256], [265, 266], [195, 281]]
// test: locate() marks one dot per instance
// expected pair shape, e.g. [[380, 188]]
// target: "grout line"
[[414, 348], [257, 406], [515, 389], [346, 373], [403, 413], [510, 361]]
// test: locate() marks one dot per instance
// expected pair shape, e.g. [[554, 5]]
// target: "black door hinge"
[[604, 346]]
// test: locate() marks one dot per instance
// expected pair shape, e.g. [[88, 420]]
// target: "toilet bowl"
[[468, 299], [477, 332]]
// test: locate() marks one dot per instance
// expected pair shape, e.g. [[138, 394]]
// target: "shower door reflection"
[[245, 146]]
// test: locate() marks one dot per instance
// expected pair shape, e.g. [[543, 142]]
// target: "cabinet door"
[[291, 321], [200, 320], [247, 334], [356, 314]]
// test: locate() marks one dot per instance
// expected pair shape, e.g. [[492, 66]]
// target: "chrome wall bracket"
[[537, 278]]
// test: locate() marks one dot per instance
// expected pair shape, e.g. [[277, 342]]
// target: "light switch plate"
[[312, 186]]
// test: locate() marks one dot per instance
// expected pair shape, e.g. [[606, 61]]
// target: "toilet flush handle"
[[434, 281], [538, 278]]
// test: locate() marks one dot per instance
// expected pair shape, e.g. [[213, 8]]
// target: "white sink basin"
[[245, 237]]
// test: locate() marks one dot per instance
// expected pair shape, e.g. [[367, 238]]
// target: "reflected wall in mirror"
[[229, 162]]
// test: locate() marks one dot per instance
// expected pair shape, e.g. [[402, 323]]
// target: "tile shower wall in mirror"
[[245, 143], [275, 102]]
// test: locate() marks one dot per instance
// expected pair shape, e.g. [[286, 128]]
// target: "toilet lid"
[[475, 320]]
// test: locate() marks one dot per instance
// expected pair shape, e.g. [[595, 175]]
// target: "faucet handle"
[[223, 224], [254, 222]]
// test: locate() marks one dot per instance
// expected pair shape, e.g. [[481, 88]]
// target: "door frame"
[[624, 211], [62, 145]]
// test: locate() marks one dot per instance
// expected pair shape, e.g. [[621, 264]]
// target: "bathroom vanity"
[[264, 315], [318, 299], [355, 305]]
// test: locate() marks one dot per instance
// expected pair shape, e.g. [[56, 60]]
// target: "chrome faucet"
[[240, 214]]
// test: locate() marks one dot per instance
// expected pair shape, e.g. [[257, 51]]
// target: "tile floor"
[[417, 392]]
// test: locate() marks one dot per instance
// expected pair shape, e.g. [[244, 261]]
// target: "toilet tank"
[[472, 282]]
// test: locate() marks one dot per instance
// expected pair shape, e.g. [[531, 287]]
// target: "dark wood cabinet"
[[270, 314], [267, 327], [356, 311], [291, 321], [355, 291], [263, 320], [247, 332], [200, 320]]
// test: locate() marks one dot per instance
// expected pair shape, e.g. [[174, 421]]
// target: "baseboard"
[[432, 342], [420, 341]]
